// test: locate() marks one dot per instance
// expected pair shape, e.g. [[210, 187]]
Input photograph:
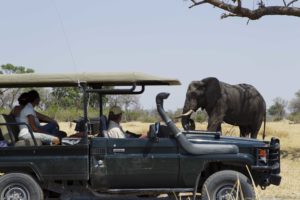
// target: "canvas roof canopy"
[[91, 79]]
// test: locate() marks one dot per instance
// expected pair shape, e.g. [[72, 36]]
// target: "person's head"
[[33, 97], [115, 114], [23, 99]]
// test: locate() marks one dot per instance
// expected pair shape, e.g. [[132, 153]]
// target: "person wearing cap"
[[115, 130]]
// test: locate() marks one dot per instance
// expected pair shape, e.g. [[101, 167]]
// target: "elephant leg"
[[214, 122], [216, 117], [255, 128], [254, 132], [244, 131]]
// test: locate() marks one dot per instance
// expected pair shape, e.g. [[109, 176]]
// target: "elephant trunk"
[[185, 116], [185, 122]]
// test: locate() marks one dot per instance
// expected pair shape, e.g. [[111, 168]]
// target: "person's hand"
[[144, 136]]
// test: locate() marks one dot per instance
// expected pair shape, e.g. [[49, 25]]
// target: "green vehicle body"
[[155, 165]]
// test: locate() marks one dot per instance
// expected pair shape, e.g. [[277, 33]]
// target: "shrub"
[[201, 116], [295, 117]]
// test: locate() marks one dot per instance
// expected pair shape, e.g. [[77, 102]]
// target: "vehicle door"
[[142, 163]]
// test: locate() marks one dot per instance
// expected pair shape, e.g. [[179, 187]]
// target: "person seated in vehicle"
[[49, 133], [115, 130], [15, 112]]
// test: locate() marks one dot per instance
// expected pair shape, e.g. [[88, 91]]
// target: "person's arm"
[[31, 123]]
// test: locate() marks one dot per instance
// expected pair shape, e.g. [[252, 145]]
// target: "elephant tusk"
[[185, 114]]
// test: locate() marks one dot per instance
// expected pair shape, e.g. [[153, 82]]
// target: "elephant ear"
[[212, 92]]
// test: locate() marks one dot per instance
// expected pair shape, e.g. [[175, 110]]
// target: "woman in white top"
[[29, 116], [15, 112]]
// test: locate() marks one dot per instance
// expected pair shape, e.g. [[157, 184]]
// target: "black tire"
[[223, 185], [19, 186]]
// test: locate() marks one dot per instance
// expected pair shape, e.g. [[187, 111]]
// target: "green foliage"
[[295, 117], [11, 69], [60, 114], [141, 115], [66, 97], [201, 116]]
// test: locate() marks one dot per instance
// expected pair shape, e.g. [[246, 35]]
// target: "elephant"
[[240, 105]]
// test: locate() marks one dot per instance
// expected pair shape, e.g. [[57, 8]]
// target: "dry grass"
[[289, 135]]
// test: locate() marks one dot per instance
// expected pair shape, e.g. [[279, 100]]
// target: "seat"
[[11, 137], [5, 133], [13, 128], [103, 126]]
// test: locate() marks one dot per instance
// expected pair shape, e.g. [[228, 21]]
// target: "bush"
[[295, 117], [277, 118], [201, 116], [60, 114]]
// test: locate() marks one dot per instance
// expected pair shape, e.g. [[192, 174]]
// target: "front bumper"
[[269, 173]]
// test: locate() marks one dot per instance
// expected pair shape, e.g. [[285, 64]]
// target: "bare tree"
[[254, 10], [125, 101], [277, 110]]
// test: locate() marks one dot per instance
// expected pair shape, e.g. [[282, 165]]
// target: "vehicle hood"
[[212, 138]]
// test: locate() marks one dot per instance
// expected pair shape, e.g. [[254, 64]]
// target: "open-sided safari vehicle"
[[168, 161]]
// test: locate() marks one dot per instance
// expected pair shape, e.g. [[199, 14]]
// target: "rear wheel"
[[18, 186], [227, 185]]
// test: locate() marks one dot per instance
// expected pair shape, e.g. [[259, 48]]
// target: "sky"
[[163, 38]]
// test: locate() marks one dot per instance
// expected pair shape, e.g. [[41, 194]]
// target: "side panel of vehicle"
[[135, 163], [47, 162]]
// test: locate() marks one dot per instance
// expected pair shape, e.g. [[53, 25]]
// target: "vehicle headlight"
[[263, 155]]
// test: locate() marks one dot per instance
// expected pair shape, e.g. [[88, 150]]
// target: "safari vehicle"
[[168, 161]]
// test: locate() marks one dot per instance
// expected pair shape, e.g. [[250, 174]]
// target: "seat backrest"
[[103, 126], [13, 128], [9, 136], [5, 132]]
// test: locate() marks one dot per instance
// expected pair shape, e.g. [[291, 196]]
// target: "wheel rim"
[[15, 192], [227, 192]]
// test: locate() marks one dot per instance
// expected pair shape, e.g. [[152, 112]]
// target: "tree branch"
[[284, 3], [239, 3], [197, 3], [291, 3], [225, 15], [255, 13]]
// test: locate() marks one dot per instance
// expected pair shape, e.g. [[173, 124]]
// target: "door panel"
[[141, 163]]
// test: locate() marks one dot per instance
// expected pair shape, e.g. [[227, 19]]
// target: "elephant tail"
[[264, 132]]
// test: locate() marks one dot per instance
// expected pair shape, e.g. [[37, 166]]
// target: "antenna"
[[65, 35]]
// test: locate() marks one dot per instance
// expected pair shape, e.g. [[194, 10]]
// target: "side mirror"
[[153, 132]]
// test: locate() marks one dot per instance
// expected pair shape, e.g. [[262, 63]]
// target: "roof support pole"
[[83, 86]]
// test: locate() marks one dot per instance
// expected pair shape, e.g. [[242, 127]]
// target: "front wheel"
[[227, 185], [18, 186]]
